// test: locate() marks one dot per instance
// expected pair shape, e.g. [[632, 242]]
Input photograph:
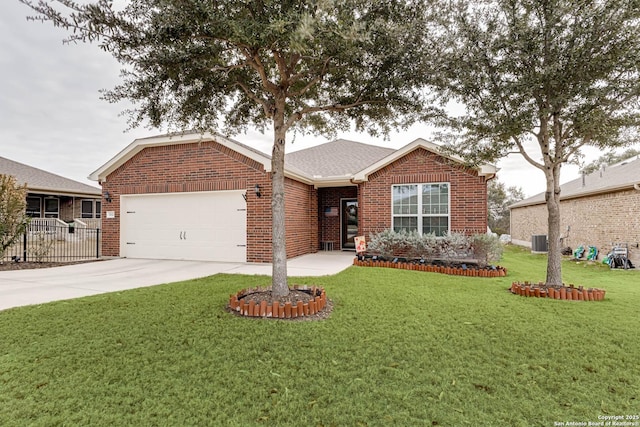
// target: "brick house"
[[598, 209], [208, 197], [53, 196]]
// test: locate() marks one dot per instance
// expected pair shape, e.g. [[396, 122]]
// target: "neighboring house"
[[598, 209], [53, 196], [209, 197]]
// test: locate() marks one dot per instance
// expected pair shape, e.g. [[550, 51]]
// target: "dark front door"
[[349, 220]]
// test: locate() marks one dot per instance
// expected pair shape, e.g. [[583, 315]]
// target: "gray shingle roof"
[[38, 180], [337, 158], [611, 178]]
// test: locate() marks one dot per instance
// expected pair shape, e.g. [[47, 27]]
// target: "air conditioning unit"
[[539, 243]]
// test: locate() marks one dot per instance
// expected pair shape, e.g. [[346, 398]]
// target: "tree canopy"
[[543, 78], [312, 65], [226, 64], [609, 158]]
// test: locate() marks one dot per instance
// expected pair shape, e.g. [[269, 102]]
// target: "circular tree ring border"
[[318, 307], [564, 292]]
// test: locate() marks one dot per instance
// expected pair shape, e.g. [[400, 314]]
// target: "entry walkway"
[[37, 286]]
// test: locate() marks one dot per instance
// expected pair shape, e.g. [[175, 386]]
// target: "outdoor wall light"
[[107, 196], [257, 190]]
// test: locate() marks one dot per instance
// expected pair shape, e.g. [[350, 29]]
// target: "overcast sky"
[[52, 117]]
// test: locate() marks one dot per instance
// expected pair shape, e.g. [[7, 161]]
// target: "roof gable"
[[173, 139], [40, 181], [336, 163], [363, 175], [624, 175]]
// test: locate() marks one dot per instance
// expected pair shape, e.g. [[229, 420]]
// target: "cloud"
[[52, 117]]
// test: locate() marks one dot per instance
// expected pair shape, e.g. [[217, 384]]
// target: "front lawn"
[[401, 348]]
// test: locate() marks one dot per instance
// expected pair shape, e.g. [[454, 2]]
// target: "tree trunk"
[[552, 197], [279, 286]]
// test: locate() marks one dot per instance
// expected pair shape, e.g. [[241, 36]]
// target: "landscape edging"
[[497, 271], [564, 292], [275, 310]]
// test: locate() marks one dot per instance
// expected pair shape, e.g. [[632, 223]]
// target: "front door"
[[349, 220]]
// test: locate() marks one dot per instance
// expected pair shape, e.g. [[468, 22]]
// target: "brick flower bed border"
[[497, 271], [564, 292], [277, 310]]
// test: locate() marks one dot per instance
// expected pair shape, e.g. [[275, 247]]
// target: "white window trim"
[[419, 214], [39, 202], [47, 214], [93, 209]]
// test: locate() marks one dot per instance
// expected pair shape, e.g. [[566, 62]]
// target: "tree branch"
[[265, 105]]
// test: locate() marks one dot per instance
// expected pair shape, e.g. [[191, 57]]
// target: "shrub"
[[13, 218], [426, 246], [389, 243], [42, 244], [486, 248], [454, 245]]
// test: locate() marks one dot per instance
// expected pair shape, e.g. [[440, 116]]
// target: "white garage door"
[[203, 226]]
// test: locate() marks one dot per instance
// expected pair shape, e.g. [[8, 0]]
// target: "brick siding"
[[598, 220], [205, 166], [329, 230], [209, 166], [468, 192]]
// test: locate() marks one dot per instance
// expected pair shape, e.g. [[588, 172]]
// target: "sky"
[[52, 117]]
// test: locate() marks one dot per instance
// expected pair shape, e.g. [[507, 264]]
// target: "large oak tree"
[[310, 65], [543, 78]]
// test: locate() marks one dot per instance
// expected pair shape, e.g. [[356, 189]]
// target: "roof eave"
[[140, 144], [334, 181], [622, 187], [55, 192]]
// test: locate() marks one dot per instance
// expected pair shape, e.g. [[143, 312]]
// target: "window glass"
[[405, 200], [405, 223], [98, 209], [421, 207], [51, 208], [87, 209], [34, 207]]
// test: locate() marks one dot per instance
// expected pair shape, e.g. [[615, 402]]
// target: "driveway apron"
[[37, 286]]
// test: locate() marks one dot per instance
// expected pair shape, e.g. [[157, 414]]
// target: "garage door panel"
[[208, 226]]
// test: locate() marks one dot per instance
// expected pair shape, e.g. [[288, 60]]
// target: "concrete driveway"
[[37, 286]]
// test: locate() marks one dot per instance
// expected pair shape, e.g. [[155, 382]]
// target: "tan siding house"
[[53, 196], [598, 209]]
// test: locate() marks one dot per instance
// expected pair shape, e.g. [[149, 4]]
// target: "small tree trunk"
[[554, 257], [279, 286]]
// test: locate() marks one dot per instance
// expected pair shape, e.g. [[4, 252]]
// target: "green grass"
[[401, 348]]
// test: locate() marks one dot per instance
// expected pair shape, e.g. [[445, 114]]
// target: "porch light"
[[107, 196], [257, 190]]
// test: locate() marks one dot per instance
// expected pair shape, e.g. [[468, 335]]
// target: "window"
[[51, 207], [421, 207], [88, 210], [34, 207]]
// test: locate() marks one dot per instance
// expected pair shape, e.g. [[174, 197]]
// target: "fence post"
[[24, 246], [97, 243]]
